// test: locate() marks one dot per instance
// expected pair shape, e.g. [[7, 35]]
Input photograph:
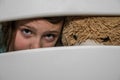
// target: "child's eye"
[[26, 32], [50, 37]]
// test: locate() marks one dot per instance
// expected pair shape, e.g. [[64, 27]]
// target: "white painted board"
[[62, 63], [20, 9]]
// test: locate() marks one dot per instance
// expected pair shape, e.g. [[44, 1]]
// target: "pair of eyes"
[[105, 39], [29, 33]]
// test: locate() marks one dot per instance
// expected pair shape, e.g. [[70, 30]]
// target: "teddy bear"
[[101, 30]]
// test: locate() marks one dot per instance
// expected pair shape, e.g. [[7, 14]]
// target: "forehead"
[[25, 21], [38, 21], [39, 24]]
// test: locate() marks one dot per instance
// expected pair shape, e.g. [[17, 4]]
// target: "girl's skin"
[[36, 33]]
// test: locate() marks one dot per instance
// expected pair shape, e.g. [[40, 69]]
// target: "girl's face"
[[37, 33]]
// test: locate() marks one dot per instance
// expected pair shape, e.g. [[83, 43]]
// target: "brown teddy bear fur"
[[105, 30]]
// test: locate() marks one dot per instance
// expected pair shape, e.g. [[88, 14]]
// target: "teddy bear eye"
[[75, 37], [105, 39]]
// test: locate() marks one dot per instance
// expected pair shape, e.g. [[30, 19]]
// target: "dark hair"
[[54, 20], [9, 30]]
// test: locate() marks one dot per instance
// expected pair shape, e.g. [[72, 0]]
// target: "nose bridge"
[[36, 43]]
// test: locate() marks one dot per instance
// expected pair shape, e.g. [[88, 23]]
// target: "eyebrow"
[[47, 32], [30, 27]]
